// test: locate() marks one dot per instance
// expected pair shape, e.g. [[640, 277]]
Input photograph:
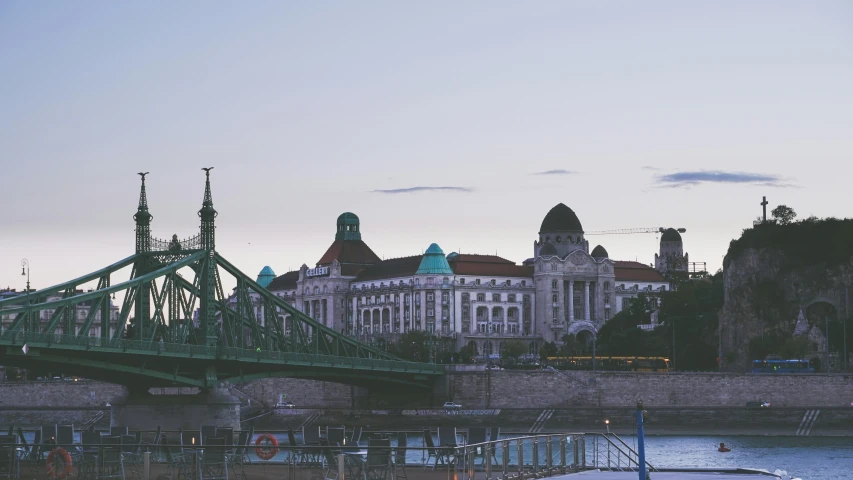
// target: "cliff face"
[[764, 290]]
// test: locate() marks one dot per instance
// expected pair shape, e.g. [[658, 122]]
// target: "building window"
[[430, 281], [606, 314], [461, 281], [481, 297], [496, 297], [553, 267], [524, 283], [554, 284], [445, 296], [555, 314], [508, 283], [430, 312], [477, 281], [554, 298], [430, 296], [466, 298], [492, 282], [510, 298]]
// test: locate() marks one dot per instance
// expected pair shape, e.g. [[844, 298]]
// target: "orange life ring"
[[266, 446], [61, 472]]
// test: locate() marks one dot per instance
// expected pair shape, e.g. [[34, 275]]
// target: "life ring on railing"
[[266, 446], [62, 472]]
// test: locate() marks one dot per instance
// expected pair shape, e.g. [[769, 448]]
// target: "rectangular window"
[[496, 297], [511, 298], [430, 296], [553, 284], [445, 296], [430, 312], [555, 314], [461, 281], [481, 297]]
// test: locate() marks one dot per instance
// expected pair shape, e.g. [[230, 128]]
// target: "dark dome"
[[670, 235], [548, 250], [561, 219], [599, 252]]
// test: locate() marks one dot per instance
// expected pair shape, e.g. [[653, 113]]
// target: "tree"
[[513, 349], [784, 214], [570, 346], [548, 349]]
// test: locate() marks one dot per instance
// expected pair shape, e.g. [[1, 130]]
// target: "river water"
[[809, 458]]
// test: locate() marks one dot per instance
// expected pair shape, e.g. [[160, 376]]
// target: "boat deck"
[[697, 474]]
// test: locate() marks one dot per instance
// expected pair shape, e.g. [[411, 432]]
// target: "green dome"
[[265, 277], [434, 262], [348, 227]]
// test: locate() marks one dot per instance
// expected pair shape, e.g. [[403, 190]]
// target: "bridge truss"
[[175, 325]]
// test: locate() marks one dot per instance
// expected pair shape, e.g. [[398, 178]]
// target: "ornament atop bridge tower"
[[207, 215], [143, 220]]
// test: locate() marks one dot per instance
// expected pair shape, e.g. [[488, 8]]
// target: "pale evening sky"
[[634, 114]]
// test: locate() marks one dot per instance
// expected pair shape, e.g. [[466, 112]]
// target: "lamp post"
[[25, 271], [594, 337]]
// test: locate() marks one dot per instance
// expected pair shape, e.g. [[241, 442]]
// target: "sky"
[[459, 123]]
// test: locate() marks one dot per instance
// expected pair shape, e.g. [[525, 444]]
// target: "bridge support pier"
[[144, 411]]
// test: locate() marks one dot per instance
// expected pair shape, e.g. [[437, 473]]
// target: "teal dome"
[[434, 262], [265, 277], [348, 227]]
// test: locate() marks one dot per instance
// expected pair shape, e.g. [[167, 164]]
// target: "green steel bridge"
[[175, 326]]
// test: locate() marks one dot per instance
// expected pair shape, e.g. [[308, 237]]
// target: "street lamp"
[[594, 337]]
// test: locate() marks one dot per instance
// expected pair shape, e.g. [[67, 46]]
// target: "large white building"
[[478, 300]]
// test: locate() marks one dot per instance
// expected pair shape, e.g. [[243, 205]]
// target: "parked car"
[[285, 405], [758, 404], [452, 406]]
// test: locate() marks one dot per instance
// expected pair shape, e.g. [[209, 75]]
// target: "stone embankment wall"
[[510, 389], [498, 389]]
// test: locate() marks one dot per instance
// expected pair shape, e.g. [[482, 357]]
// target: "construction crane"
[[626, 231]]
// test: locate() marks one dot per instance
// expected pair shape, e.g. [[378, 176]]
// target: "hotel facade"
[[477, 300]]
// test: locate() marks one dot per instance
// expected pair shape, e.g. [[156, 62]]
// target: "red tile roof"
[[393, 267], [636, 272], [349, 251], [284, 282], [489, 265]]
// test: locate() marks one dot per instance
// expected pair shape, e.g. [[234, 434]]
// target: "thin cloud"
[[649, 167], [425, 189], [690, 179], [556, 172]]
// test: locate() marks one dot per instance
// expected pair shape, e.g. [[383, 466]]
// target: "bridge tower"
[[207, 320], [142, 306]]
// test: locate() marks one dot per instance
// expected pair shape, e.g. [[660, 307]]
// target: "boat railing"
[[547, 454]]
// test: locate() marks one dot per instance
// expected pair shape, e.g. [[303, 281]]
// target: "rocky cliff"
[[775, 271]]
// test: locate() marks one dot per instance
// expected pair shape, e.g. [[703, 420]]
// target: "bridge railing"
[[52, 340]]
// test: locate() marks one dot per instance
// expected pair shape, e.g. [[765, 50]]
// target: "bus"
[[782, 366], [626, 364]]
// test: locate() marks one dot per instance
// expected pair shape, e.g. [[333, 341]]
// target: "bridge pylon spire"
[[143, 220], [207, 215], [207, 299]]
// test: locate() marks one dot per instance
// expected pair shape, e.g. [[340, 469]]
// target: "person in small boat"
[[724, 448]]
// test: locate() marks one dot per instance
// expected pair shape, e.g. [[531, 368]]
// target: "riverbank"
[[663, 421], [740, 421]]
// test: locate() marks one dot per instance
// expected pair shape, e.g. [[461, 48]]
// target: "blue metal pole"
[[641, 444]]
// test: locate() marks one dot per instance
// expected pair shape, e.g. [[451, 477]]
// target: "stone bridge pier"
[[141, 410]]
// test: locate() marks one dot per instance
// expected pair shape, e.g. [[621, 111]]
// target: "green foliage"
[[807, 242], [513, 349], [549, 349], [784, 214], [413, 345], [571, 346], [466, 354]]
